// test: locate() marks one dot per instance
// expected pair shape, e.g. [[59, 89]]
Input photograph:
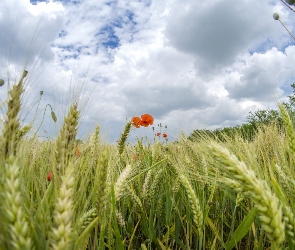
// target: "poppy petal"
[[136, 121]]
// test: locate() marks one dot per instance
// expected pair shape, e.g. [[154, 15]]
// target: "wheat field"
[[205, 194]]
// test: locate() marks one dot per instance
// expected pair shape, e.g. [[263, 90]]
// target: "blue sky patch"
[[263, 47], [34, 2], [268, 44], [62, 33], [130, 16], [111, 40]]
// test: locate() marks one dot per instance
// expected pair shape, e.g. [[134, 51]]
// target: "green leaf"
[[242, 230]]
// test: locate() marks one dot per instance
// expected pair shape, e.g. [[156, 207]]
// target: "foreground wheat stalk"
[[62, 233], [18, 226], [11, 129], [244, 180]]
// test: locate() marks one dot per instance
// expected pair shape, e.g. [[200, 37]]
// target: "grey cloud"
[[259, 78], [224, 113], [161, 100], [25, 36], [255, 85], [218, 32]]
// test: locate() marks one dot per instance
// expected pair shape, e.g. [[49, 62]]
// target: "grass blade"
[[242, 230]]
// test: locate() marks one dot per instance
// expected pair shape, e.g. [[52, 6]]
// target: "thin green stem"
[[43, 117]]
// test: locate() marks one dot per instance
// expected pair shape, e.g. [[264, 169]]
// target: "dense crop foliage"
[[231, 193]]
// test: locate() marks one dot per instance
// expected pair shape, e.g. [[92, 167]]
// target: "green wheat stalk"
[[67, 137]]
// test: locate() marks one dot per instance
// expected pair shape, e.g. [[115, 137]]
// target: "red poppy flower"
[[165, 135], [136, 121], [49, 176], [158, 134], [146, 120]]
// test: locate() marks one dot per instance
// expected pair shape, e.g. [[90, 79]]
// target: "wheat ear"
[[289, 129], [155, 184], [120, 218], [18, 226], [87, 218], [62, 233], [121, 182], [194, 202], [133, 196], [96, 135], [146, 184], [11, 128], [244, 180], [289, 222], [122, 141], [67, 137]]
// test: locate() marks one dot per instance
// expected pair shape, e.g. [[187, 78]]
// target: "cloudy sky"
[[191, 64]]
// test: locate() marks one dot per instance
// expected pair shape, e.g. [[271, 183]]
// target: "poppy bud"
[[24, 74], [49, 176], [41, 92], [276, 16], [1, 82], [53, 116]]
